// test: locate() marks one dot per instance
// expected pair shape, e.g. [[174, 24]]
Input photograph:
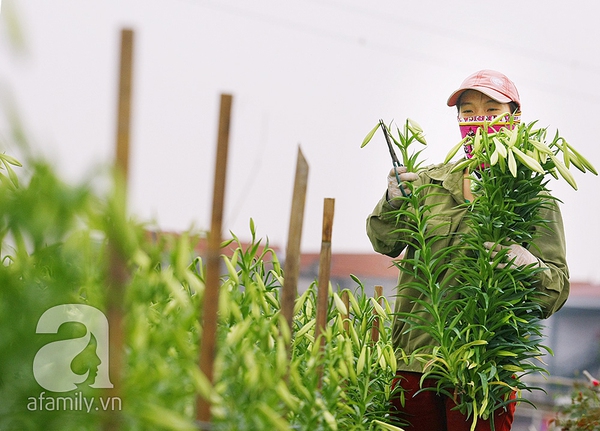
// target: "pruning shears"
[[395, 160]]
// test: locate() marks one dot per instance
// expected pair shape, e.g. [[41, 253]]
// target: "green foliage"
[[318, 388], [55, 240], [48, 259]]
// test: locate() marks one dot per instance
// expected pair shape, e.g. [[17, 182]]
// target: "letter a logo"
[[52, 363]]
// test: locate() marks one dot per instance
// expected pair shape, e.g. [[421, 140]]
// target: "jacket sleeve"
[[382, 229], [550, 249]]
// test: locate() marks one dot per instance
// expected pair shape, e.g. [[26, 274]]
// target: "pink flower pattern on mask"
[[469, 125]]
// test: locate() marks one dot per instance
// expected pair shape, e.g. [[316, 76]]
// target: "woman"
[[484, 94]]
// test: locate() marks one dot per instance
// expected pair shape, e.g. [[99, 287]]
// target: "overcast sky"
[[314, 74]]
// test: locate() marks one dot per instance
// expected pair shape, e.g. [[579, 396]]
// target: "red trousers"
[[428, 411]]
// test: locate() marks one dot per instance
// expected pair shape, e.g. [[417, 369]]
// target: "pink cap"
[[491, 83]]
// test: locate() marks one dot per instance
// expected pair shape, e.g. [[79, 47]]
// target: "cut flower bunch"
[[482, 312], [497, 308]]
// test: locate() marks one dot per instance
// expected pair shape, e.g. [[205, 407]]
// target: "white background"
[[314, 74]]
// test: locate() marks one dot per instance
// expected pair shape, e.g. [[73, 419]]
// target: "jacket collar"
[[451, 181]]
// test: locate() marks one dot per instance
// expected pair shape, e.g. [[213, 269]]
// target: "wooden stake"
[[118, 273], [324, 275], [212, 282], [124, 108], [292, 256], [375, 328], [324, 266]]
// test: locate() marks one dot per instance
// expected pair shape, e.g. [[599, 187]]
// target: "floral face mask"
[[469, 125]]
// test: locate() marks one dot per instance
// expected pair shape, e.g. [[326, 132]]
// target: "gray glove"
[[394, 190], [517, 255]]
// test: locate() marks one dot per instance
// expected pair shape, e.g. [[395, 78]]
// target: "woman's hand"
[[395, 191], [516, 255]]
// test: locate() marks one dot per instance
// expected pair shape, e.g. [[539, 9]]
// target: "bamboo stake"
[[124, 108], [117, 266], [292, 255], [375, 328], [324, 276], [212, 283]]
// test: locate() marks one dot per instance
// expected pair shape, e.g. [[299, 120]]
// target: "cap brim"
[[496, 95]]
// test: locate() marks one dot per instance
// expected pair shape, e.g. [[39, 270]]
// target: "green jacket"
[[381, 228]]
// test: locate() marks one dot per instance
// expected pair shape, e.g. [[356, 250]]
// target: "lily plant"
[[55, 251]]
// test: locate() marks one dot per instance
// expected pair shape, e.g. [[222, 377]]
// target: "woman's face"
[[474, 103]]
